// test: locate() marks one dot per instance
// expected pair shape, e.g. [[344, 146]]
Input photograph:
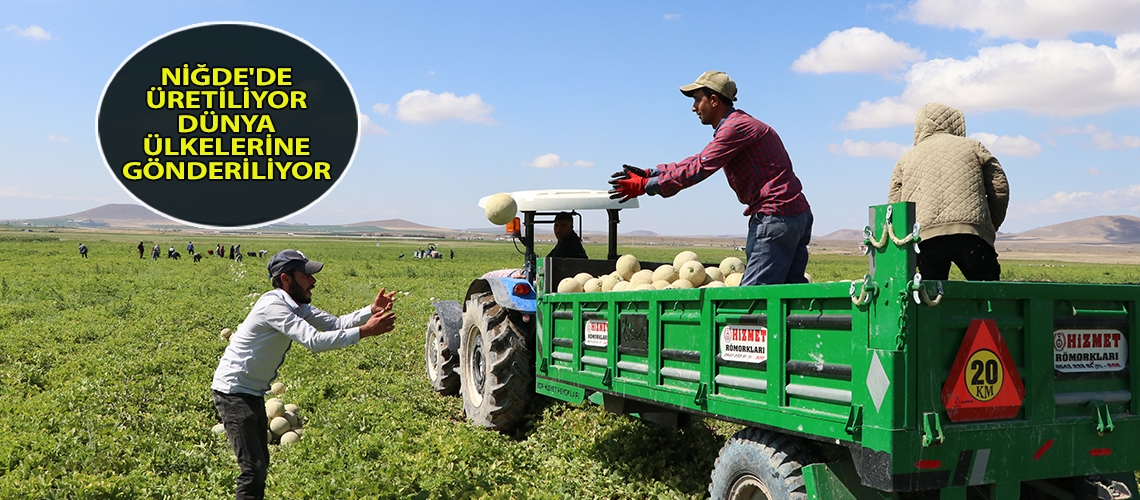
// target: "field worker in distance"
[[154, 252], [250, 362], [960, 194], [83, 250], [569, 243], [140, 249], [190, 248], [757, 168]]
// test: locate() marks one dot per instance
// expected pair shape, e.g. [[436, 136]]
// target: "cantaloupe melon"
[[682, 258], [681, 283], [621, 286], [274, 408], [693, 271], [593, 285], [714, 273], [569, 285], [609, 281], [279, 425], [226, 334], [627, 265], [642, 277], [292, 408], [278, 388], [645, 286], [731, 265], [501, 209], [289, 438], [660, 284], [219, 429], [583, 278], [714, 284], [292, 419], [733, 279], [665, 272]]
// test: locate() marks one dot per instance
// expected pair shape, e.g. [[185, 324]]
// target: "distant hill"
[[641, 232], [116, 212], [393, 224], [1121, 229], [842, 235]]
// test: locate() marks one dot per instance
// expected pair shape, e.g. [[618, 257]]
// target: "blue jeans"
[[777, 249]]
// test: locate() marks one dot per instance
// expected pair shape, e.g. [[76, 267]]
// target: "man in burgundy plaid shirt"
[[757, 168]]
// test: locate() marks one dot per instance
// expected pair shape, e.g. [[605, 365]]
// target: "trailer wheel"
[[758, 465], [496, 365], [441, 361]]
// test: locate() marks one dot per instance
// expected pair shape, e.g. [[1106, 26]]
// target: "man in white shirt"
[[257, 349]]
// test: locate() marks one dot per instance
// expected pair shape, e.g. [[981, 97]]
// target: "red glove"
[[628, 184]]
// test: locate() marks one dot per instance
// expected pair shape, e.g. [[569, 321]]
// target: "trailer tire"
[[441, 361], [758, 464], [496, 365]]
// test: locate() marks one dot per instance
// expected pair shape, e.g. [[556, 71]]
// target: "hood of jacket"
[[934, 118]]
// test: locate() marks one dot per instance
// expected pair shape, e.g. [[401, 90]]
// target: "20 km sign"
[[984, 374]]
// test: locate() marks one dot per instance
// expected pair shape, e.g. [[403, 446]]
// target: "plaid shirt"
[[755, 163]]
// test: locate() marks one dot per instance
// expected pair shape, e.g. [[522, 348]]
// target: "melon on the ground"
[[219, 429], [693, 271], [714, 273], [278, 388], [279, 425], [609, 281], [731, 265], [291, 408], [665, 272], [226, 334], [627, 265], [733, 279], [592, 285], [289, 437], [583, 278], [501, 209], [621, 286], [292, 419], [569, 285], [274, 408], [682, 258]]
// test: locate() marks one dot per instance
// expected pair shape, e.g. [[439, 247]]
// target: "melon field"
[[106, 362]]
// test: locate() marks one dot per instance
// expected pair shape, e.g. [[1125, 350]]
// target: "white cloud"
[[381, 108], [1021, 19], [423, 106], [34, 32], [885, 149], [857, 50], [1103, 139], [1112, 201], [583, 163], [1059, 78], [58, 138], [671, 17], [549, 160], [368, 127], [1006, 145]]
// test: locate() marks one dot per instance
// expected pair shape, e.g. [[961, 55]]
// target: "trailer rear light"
[[928, 464], [521, 289], [1100, 452]]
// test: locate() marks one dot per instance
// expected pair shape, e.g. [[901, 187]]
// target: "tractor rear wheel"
[[441, 361], [758, 465], [496, 364]]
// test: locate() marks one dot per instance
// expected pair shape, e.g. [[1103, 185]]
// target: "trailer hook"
[[920, 294], [866, 294]]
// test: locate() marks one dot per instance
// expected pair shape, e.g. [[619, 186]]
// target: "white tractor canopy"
[[559, 200]]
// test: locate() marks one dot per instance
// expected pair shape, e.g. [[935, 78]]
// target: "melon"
[[714, 273], [609, 281], [665, 272], [693, 271], [593, 285], [731, 265], [279, 425], [569, 285], [226, 334], [621, 286], [298, 431], [807, 277], [714, 284], [645, 286], [219, 429], [642, 277], [289, 437], [583, 278], [660, 284], [278, 388], [292, 408], [292, 419], [501, 209], [733, 279], [681, 283], [627, 265], [274, 408], [682, 258]]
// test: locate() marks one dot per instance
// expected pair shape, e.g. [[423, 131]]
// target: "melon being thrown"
[[501, 209]]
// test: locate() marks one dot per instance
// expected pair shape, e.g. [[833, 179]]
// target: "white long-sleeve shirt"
[[258, 347]]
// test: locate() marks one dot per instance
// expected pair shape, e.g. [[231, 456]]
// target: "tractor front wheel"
[[496, 363]]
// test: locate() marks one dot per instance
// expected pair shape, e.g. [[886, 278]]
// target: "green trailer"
[[884, 387]]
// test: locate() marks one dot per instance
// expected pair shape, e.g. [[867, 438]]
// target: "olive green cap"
[[717, 81]]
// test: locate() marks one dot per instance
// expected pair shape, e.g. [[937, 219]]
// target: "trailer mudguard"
[[503, 290]]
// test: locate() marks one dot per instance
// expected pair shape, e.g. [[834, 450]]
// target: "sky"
[[460, 100]]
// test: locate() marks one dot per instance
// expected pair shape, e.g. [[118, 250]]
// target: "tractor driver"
[[569, 243], [757, 167]]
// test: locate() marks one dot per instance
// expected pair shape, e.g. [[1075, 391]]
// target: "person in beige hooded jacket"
[[960, 194]]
